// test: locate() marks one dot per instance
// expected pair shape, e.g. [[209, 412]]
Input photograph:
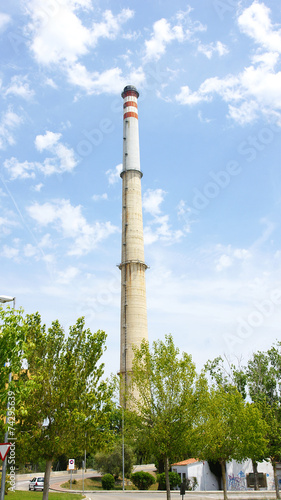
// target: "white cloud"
[[114, 175], [159, 227], [255, 22], [69, 221], [152, 200], [109, 81], [230, 256], [110, 26], [19, 87], [9, 252], [253, 91], [5, 224], [164, 32], [21, 170], [212, 48], [9, 122], [4, 21], [67, 276], [64, 158], [38, 187], [98, 197], [58, 34], [30, 250], [256, 90], [46, 141]]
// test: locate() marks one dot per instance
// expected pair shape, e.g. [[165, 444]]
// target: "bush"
[[107, 482], [175, 480], [7, 484], [142, 480], [112, 463], [191, 484]]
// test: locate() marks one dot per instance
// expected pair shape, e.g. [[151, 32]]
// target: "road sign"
[[71, 464], [4, 448]]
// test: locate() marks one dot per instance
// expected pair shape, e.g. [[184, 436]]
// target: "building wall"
[[236, 473], [206, 480]]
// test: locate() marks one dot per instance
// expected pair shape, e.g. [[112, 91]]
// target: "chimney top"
[[129, 88]]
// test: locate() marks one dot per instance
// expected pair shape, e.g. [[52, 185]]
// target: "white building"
[[239, 475]]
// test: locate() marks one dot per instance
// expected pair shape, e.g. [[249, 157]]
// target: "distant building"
[[239, 475]]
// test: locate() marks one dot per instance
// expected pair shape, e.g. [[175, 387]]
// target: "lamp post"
[[3, 300]]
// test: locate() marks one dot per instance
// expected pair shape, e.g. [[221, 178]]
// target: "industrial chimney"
[[133, 293]]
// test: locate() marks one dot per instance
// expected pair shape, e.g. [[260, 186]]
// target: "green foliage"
[[142, 480], [163, 397], [63, 404], [108, 482], [12, 334], [112, 462], [191, 484], [63, 390], [174, 478], [7, 482]]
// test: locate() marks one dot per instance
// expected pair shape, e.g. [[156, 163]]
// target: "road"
[[22, 484]]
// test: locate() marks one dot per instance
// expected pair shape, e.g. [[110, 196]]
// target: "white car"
[[36, 484]]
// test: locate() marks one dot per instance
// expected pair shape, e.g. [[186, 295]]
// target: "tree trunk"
[[256, 478], [167, 478], [222, 462], [47, 479], [275, 479]]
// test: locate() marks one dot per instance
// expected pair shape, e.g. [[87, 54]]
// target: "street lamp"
[[3, 300]]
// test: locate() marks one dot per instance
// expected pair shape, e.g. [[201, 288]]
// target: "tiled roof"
[[188, 461]]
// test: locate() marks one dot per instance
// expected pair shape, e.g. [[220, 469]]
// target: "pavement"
[[175, 495], [191, 495]]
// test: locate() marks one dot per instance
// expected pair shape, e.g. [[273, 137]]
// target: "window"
[[261, 480]]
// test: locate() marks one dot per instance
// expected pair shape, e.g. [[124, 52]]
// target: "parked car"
[[36, 484]]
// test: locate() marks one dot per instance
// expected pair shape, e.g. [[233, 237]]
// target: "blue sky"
[[209, 77]]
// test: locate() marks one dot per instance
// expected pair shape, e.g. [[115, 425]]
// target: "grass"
[[33, 495]]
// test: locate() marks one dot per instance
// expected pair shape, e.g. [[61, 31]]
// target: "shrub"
[[112, 463], [142, 480], [175, 480], [6, 482], [107, 482], [191, 484]]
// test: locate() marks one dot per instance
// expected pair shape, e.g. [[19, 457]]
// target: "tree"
[[221, 432], [162, 400], [62, 397], [264, 383], [11, 338], [112, 462], [232, 375]]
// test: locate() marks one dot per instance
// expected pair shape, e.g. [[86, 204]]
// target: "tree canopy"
[[163, 397], [61, 397]]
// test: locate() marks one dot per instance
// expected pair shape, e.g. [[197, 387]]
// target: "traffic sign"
[[71, 464], [4, 448]]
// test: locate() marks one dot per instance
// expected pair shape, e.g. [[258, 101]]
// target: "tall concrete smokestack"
[[133, 293]]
